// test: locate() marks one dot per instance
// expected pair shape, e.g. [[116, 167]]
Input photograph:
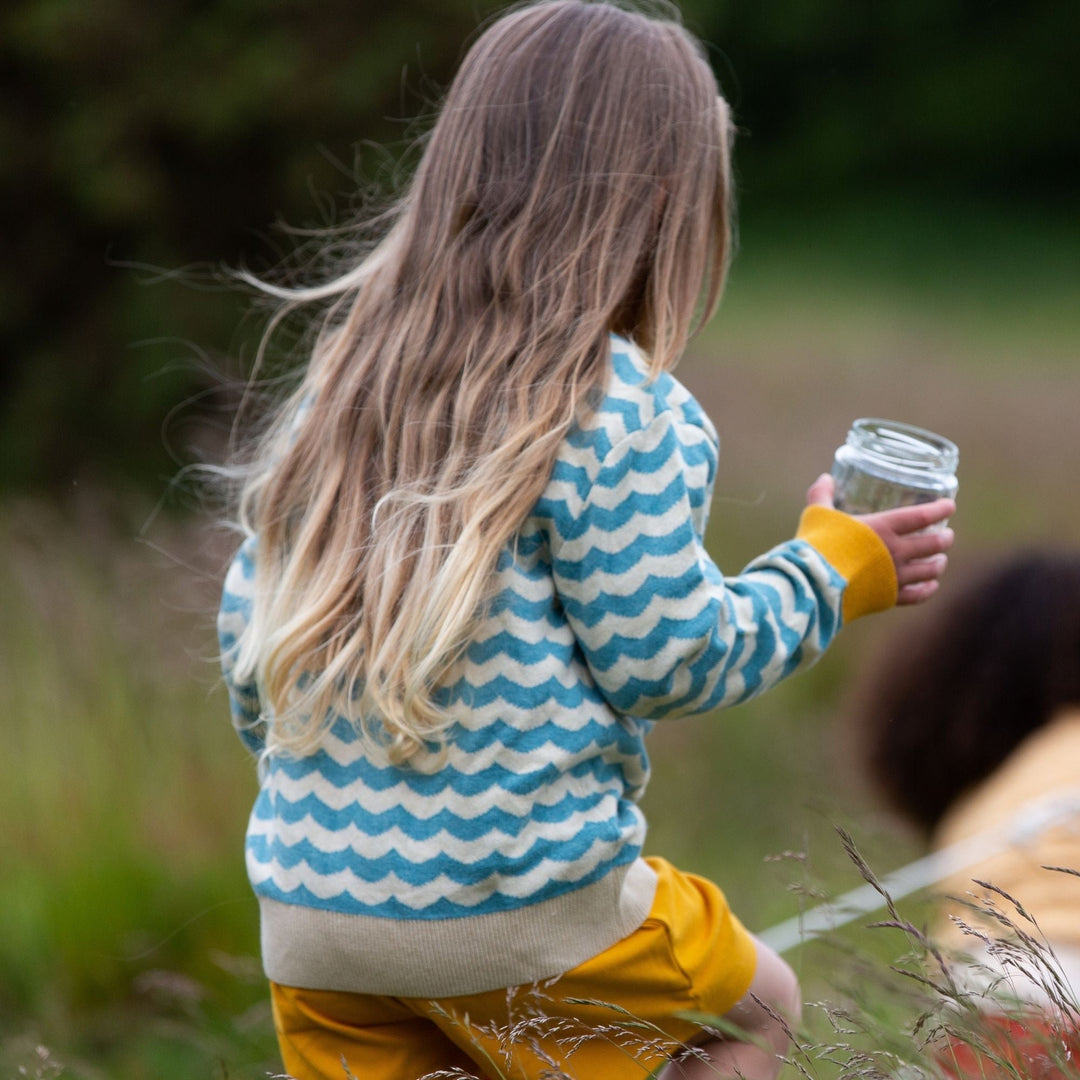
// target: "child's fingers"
[[905, 520], [820, 492], [917, 592], [919, 570], [918, 549], [924, 545]]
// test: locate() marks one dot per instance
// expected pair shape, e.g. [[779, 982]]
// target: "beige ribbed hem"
[[325, 950]]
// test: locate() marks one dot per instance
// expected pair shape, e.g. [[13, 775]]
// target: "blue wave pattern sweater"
[[518, 855]]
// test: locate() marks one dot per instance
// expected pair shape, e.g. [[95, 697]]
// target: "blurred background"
[[910, 248]]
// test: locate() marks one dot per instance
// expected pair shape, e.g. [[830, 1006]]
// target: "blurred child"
[[973, 724], [475, 573]]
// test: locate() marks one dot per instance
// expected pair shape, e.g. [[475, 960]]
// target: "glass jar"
[[885, 464]]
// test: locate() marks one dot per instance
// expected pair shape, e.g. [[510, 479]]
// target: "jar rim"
[[903, 446]]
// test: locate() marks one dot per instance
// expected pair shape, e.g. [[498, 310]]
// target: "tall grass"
[[124, 802]]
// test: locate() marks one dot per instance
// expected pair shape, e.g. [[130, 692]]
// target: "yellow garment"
[[690, 955], [1046, 764], [857, 554]]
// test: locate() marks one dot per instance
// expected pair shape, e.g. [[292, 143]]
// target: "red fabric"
[[1034, 1047]]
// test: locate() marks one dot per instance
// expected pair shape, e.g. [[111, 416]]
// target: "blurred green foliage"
[[131, 931], [173, 135]]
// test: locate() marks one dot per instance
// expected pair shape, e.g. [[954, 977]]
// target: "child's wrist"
[[857, 554]]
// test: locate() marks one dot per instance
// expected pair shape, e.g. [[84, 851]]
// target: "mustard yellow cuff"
[[857, 554]]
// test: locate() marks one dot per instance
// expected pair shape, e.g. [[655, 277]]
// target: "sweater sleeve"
[[233, 617], [663, 632]]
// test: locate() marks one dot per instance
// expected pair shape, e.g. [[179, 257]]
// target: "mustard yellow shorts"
[[615, 1017]]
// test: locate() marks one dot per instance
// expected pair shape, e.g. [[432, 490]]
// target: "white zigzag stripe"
[[470, 762], [418, 897], [693, 478], [670, 564], [396, 840], [532, 632], [532, 590], [613, 542], [659, 568], [640, 524], [465, 807], [696, 475], [231, 621], [516, 762], [670, 653], [526, 676]]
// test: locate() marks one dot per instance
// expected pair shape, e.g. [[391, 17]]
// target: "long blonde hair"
[[576, 182]]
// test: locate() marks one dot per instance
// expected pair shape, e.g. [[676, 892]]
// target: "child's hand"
[[919, 556]]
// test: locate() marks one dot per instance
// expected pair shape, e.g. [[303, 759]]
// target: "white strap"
[[1027, 825]]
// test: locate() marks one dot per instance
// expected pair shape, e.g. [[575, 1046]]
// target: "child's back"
[[605, 616]]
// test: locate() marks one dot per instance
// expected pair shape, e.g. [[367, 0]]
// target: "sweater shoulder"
[[634, 400]]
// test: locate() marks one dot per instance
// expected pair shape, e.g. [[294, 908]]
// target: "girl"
[[474, 573]]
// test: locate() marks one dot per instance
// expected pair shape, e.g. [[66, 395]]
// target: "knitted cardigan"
[[517, 855]]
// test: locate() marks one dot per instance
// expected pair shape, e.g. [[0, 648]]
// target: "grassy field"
[[130, 941]]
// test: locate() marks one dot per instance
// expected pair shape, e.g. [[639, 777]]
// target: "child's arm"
[[664, 633], [233, 616]]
